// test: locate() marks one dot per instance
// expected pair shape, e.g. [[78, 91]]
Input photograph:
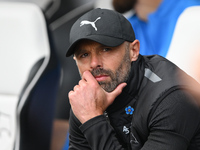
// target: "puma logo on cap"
[[86, 22]]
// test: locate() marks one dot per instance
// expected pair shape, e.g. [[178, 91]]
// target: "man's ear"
[[74, 57], [134, 50]]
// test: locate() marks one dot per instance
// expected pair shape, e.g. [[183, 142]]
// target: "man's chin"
[[107, 86]]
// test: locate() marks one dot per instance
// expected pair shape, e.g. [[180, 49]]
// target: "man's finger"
[[88, 77]]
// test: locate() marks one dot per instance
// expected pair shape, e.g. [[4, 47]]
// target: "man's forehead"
[[86, 44]]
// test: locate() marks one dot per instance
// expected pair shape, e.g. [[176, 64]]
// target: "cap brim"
[[104, 40]]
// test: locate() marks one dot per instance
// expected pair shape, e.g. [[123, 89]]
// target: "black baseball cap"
[[104, 26]]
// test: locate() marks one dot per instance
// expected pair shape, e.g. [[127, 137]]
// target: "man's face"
[[109, 65]]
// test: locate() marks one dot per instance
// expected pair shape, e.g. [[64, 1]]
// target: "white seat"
[[23, 43]]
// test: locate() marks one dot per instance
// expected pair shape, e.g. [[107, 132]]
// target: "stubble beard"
[[121, 74]]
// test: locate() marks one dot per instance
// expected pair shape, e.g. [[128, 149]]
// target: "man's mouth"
[[101, 77]]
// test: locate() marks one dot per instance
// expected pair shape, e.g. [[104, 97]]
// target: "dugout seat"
[[29, 78]]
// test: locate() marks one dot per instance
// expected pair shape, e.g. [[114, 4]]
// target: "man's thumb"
[[116, 92]]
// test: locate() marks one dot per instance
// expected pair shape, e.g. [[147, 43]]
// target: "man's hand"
[[89, 99]]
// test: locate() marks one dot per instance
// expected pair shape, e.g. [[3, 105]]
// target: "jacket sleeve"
[[95, 134], [77, 140]]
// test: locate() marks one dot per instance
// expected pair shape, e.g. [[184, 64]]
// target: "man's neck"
[[144, 7]]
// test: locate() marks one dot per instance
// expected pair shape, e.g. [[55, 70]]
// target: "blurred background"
[[35, 75]]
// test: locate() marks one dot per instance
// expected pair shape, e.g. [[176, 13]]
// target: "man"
[[166, 28], [125, 100]]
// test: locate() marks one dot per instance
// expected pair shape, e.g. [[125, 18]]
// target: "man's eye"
[[106, 49], [84, 55]]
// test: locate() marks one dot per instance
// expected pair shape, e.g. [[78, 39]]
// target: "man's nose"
[[96, 61]]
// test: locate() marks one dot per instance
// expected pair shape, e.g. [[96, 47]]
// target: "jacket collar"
[[133, 85]]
